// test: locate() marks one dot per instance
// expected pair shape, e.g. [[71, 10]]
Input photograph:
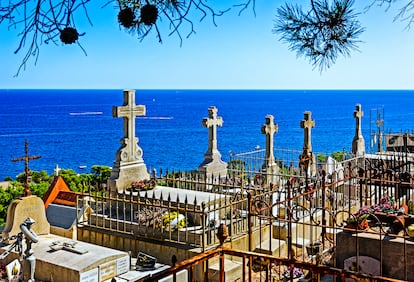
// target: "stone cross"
[[213, 166], [307, 159], [358, 114], [56, 170], [27, 173], [358, 143], [307, 124], [129, 111], [129, 165], [269, 128], [211, 122]]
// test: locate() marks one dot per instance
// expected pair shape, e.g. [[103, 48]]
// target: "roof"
[[59, 193], [61, 216]]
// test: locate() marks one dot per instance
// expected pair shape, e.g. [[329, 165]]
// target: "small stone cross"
[[211, 122], [27, 173], [269, 128], [56, 170], [358, 114], [307, 124], [129, 111]]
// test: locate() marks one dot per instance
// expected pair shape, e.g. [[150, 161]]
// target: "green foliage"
[[6, 196], [338, 156], [100, 174], [321, 158], [322, 33], [73, 180]]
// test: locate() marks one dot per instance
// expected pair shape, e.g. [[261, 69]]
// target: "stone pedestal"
[[22, 208], [213, 169], [123, 175]]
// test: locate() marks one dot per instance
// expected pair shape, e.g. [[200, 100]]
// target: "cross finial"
[[211, 122], [307, 124], [27, 173], [269, 128]]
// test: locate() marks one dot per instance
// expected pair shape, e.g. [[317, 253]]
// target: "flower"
[[296, 272], [143, 184]]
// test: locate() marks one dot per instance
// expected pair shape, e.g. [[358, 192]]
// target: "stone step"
[[232, 270], [274, 247], [134, 275]]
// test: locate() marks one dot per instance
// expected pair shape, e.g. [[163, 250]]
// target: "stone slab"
[[181, 195], [66, 266]]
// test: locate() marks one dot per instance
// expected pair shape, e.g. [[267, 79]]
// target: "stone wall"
[[395, 254]]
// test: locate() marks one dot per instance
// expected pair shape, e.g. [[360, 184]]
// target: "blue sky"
[[240, 53]]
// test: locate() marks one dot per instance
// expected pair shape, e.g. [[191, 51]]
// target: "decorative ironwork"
[[27, 173]]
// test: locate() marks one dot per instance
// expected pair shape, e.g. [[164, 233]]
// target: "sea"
[[75, 129]]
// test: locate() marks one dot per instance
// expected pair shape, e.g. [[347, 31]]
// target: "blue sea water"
[[75, 128]]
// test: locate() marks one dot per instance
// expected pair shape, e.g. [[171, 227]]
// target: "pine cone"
[[149, 14], [126, 17], [69, 35]]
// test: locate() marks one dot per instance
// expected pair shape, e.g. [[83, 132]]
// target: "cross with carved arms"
[[269, 128], [307, 124], [27, 173], [129, 111], [211, 123]]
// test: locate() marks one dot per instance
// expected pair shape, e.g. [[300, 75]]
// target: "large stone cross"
[[212, 167], [211, 122], [129, 111], [129, 165], [358, 114], [307, 124], [269, 128], [358, 143], [307, 159]]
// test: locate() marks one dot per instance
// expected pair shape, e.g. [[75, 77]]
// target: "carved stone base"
[[122, 176], [358, 146], [214, 169], [272, 174]]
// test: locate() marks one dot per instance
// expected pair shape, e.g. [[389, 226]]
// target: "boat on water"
[[85, 113], [82, 166]]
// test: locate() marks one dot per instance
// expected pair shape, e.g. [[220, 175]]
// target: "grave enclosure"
[[279, 207]]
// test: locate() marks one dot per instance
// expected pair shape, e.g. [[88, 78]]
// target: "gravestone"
[[270, 167], [307, 156], [358, 143], [22, 208], [129, 165], [212, 166]]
